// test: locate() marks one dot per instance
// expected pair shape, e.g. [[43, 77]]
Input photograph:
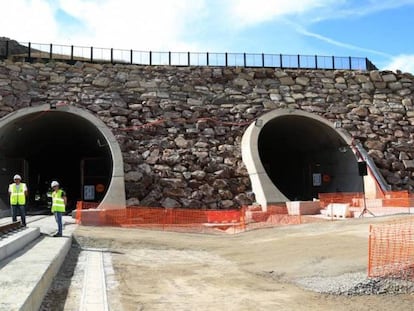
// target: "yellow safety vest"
[[58, 204], [17, 196]]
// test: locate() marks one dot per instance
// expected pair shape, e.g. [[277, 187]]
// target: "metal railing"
[[70, 53]]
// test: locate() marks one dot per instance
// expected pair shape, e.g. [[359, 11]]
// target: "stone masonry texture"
[[188, 154]]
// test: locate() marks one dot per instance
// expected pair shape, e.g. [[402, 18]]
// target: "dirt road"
[[256, 270]]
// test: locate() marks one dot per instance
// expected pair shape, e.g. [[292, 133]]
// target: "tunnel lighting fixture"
[[52, 105], [342, 149], [100, 144], [259, 122]]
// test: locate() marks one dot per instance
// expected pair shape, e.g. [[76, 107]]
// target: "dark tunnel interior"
[[304, 157], [55, 145]]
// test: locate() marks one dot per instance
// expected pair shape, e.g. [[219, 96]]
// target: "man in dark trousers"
[[18, 194], [58, 205]]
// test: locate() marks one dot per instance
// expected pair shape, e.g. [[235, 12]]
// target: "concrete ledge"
[[17, 241], [4, 213], [340, 210], [27, 276], [303, 207]]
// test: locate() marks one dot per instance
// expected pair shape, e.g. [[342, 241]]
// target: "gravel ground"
[[313, 267], [354, 284]]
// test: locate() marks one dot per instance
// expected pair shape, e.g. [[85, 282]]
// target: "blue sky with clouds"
[[378, 29]]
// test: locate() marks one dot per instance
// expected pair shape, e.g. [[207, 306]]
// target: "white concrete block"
[[340, 210], [17, 241], [303, 207]]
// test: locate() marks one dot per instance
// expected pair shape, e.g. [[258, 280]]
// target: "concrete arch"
[[115, 192], [283, 129]]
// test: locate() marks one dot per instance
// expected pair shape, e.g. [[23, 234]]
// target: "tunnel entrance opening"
[[304, 157], [293, 155], [55, 145]]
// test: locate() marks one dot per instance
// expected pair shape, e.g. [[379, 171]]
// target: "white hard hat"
[[17, 177], [54, 183]]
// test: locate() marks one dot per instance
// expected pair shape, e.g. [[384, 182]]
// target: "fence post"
[[208, 60], [370, 252], [71, 52], [169, 58], [369, 65], [333, 62], [263, 60], [226, 59], [50, 51], [112, 55], [91, 54], [164, 219], [29, 53], [150, 58], [7, 48], [350, 62], [281, 61], [188, 58], [131, 56], [316, 61], [298, 61], [244, 59]]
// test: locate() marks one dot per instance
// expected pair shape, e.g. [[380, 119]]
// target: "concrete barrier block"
[[303, 207], [340, 210], [17, 241], [39, 290], [30, 273]]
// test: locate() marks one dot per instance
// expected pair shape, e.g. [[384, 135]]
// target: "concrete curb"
[[4, 213], [34, 300], [17, 241], [25, 280]]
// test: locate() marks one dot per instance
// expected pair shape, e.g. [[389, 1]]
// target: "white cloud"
[[402, 62], [346, 9], [27, 20], [248, 12], [331, 41], [138, 24], [124, 24], [187, 25]]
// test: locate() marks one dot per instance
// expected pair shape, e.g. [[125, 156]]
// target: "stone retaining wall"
[[180, 128]]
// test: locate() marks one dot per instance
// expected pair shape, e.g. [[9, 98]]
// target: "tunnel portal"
[[293, 155], [55, 145]]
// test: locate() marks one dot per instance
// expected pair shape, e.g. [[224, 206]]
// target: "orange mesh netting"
[[339, 197], [391, 249], [186, 220], [398, 198]]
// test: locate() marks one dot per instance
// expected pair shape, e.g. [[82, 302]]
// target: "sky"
[[380, 30]]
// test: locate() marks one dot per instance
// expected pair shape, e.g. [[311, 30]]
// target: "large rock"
[[169, 203]]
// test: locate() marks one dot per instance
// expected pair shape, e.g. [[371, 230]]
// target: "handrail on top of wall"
[[70, 53]]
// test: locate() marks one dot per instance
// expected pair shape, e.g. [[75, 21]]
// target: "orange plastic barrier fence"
[[388, 199], [187, 220], [339, 197], [391, 250], [398, 199]]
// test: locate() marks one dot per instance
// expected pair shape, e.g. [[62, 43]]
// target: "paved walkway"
[[26, 276], [94, 285]]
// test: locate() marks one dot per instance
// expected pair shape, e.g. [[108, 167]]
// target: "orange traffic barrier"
[[339, 197], [398, 199], [187, 220], [391, 249]]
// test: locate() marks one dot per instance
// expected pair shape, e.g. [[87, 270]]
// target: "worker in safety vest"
[[18, 194], [58, 205]]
